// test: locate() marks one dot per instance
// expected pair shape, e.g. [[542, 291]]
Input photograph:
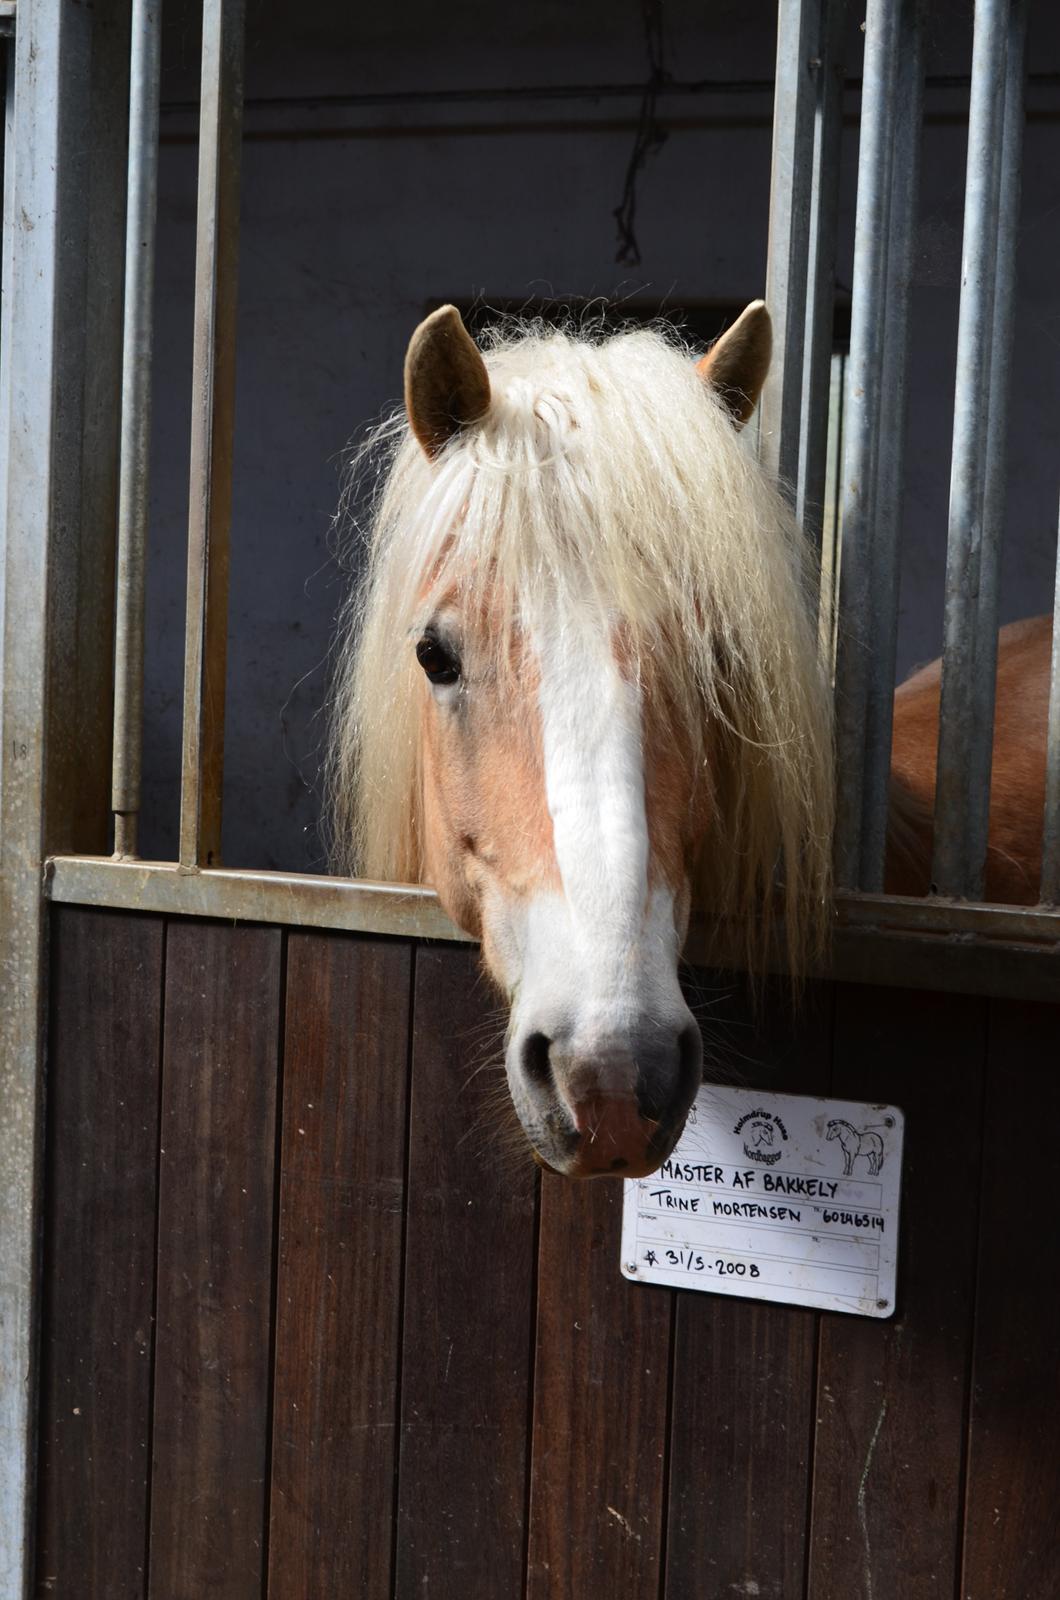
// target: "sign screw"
[[631, 1266]]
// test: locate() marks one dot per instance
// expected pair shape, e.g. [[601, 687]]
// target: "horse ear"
[[446, 382], [736, 364]]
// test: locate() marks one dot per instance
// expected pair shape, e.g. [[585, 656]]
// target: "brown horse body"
[[1017, 792]]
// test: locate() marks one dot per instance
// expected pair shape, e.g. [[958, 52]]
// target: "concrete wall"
[[355, 216]]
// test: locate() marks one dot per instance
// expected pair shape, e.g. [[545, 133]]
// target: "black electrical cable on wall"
[[649, 137]]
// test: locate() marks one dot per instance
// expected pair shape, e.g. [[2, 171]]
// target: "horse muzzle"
[[612, 1109]]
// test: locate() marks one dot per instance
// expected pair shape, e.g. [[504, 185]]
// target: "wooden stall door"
[[313, 1327]]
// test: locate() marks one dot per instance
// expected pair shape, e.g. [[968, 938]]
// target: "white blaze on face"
[[593, 961]]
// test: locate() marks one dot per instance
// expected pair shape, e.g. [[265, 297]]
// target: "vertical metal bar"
[[21, 947], [1002, 333], [1051, 828], [5, 322], [79, 788], [213, 405], [966, 720], [862, 417], [135, 419], [886, 529], [820, 277], [828, 606], [791, 180], [44, 221]]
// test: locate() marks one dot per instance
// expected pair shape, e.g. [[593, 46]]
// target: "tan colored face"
[[485, 817], [544, 841]]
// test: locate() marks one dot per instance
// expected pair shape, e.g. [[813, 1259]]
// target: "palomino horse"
[[581, 689]]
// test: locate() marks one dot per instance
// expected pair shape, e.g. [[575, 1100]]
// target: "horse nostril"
[[536, 1063], [669, 1075]]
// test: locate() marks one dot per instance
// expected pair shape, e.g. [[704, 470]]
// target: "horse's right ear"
[[446, 382], [736, 364]]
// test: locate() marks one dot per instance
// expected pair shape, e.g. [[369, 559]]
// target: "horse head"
[[582, 685]]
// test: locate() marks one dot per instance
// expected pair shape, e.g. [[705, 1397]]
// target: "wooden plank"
[[741, 1449], [740, 1453], [600, 1405], [468, 1310], [1011, 1524], [101, 1192], [215, 1245], [891, 1394], [339, 1286]]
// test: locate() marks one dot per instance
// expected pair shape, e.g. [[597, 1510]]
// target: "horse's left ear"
[[736, 364]]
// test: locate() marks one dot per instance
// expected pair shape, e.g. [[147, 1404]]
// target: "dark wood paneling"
[[891, 1394], [742, 1432], [1012, 1520], [421, 1307], [99, 1264], [338, 1299], [468, 1310], [744, 1373], [215, 1248], [600, 1405]]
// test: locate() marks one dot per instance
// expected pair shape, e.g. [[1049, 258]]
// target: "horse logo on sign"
[[760, 1131], [857, 1145]]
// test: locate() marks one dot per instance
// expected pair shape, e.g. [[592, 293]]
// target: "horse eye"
[[437, 662]]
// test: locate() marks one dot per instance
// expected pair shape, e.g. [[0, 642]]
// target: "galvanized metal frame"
[[800, 257], [137, 347], [793, 437], [890, 447], [828, 599], [927, 944], [788, 247], [874, 424], [213, 415], [1002, 335], [58, 458], [995, 123], [820, 271]]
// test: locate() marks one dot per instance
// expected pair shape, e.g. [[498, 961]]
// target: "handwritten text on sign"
[[774, 1197]]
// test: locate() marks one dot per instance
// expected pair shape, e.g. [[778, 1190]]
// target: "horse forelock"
[[605, 485]]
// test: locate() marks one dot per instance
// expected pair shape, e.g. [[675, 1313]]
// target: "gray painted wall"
[[355, 216]]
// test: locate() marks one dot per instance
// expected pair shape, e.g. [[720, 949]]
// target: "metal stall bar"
[[22, 579], [1051, 832], [984, 334], [820, 274], [1004, 321], [859, 621], [213, 407], [144, 89], [886, 528], [46, 210], [791, 179], [913, 943]]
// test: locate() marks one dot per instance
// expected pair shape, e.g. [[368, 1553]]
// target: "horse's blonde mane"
[[606, 479]]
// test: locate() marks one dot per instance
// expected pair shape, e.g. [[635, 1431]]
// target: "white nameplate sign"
[[774, 1197]]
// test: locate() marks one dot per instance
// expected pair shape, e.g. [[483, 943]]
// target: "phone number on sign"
[[696, 1261]]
